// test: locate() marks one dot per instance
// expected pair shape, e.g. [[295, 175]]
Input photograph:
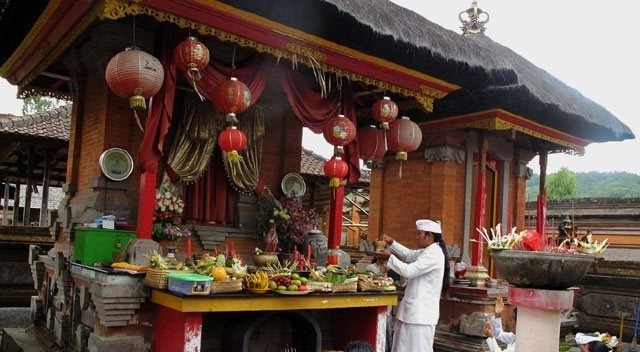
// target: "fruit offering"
[[257, 281]]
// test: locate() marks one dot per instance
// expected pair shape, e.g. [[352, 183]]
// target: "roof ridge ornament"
[[473, 19]]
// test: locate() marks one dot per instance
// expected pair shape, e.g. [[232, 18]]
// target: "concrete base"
[[539, 315], [99, 343]]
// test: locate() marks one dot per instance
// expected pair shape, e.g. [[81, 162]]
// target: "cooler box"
[[92, 245], [189, 283]]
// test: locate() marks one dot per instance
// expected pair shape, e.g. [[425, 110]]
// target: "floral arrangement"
[[531, 240], [168, 213], [290, 221]]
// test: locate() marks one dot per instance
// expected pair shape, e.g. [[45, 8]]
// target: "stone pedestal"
[[477, 274], [539, 311]]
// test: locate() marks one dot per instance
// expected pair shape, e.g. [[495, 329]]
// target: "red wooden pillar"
[[176, 331], [480, 203], [335, 217], [146, 205]]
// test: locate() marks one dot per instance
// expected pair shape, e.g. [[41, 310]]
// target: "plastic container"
[[189, 283], [344, 259]]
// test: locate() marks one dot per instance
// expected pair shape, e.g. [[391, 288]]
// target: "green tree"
[[562, 185], [38, 103]]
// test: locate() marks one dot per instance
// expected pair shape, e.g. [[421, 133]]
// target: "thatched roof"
[[386, 30], [538, 96]]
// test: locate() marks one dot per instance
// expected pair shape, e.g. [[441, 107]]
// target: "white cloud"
[[8, 102]]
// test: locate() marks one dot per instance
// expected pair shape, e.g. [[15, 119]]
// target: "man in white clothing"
[[494, 330], [427, 272]]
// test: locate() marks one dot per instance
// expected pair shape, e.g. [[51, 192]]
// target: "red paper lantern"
[[231, 140], [232, 96], [371, 143], [136, 75], [336, 169], [384, 111], [191, 56], [403, 136], [339, 131]]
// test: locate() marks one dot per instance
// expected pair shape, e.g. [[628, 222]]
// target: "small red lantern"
[[136, 75], [384, 111], [191, 56], [404, 136], [232, 96], [339, 131], [371, 143], [336, 169], [231, 140]]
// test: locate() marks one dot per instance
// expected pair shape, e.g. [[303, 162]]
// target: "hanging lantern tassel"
[[136, 75], [336, 169], [191, 56], [231, 140], [404, 136]]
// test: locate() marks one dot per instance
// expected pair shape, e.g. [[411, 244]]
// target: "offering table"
[[179, 319]]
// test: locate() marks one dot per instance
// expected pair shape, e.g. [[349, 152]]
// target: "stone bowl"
[[551, 271], [264, 259]]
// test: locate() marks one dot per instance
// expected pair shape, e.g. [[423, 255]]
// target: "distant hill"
[[596, 184]]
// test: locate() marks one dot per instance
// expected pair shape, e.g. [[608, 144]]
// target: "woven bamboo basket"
[[366, 286], [157, 278], [345, 287], [226, 286]]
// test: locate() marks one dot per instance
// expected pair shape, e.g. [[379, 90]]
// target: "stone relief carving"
[[444, 153]]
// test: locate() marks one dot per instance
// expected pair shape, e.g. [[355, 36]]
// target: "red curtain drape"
[[159, 116], [315, 111], [308, 105], [210, 199]]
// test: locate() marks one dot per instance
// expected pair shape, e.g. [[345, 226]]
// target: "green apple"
[[295, 276], [282, 288], [292, 287], [304, 280], [296, 282]]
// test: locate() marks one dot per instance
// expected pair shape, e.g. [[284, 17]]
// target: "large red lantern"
[[403, 136], [191, 56], [371, 143], [231, 140], [136, 75], [232, 96], [339, 131], [336, 169], [384, 111]]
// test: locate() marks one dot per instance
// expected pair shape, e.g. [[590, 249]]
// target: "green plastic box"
[[92, 245]]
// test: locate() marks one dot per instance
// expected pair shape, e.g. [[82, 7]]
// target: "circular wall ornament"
[[293, 185], [116, 164]]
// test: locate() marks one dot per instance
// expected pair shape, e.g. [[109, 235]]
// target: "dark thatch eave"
[[388, 31], [538, 96], [16, 19]]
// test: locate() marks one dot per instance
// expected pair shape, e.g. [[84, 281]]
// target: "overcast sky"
[[587, 44]]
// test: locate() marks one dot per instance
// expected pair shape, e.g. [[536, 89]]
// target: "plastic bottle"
[[344, 259]]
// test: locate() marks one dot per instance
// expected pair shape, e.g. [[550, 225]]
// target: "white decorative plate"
[[116, 164], [292, 293], [293, 185]]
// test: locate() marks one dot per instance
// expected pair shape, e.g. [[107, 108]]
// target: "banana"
[[259, 280]]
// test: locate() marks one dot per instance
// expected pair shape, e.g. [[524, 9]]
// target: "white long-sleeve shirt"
[[424, 269], [499, 334]]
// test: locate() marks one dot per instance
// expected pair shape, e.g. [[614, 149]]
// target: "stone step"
[[19, 340]]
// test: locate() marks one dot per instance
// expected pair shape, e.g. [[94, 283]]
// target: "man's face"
[[424, 239]]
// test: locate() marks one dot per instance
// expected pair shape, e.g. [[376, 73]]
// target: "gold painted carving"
[[115, 9], [497, 124], [298, 49]]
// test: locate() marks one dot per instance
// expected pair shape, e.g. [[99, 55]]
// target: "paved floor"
[[11, 317]]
